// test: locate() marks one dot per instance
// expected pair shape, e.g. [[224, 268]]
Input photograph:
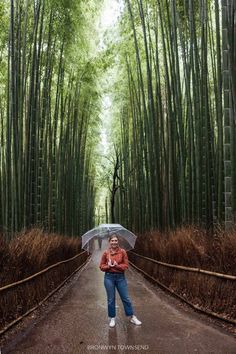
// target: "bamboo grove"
[[177, 157], [47, 107], [174, 101]]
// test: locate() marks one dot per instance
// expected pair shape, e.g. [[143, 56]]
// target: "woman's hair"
[[111, 237]]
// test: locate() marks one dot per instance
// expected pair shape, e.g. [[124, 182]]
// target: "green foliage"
[[47, 164], [167, 114]]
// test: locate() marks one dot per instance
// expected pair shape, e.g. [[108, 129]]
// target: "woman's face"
[[114, 242]]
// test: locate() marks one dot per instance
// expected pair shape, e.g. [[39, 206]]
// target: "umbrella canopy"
[[126, 238]]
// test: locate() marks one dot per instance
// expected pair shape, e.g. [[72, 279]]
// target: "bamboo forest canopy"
[[174, 114], [49, 115], [154, 91]]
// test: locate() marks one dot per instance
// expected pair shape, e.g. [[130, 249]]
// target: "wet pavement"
[[78, 323]]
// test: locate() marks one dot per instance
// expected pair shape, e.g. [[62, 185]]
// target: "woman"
[[114, 262]]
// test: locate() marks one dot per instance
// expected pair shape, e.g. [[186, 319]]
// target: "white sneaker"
[[112, 322], [135, 321]]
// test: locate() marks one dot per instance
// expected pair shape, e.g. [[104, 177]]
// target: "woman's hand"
[[112, 264]]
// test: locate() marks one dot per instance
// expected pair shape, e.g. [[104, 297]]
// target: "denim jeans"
[[113, 281]]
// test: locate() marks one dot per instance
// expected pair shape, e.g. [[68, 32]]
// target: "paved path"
[[79, 323]]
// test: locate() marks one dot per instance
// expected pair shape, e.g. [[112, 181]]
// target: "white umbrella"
[[126, 238]]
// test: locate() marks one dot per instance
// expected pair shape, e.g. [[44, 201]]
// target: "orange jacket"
[[119, 255]]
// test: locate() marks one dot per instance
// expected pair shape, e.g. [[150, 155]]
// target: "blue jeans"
[[113, 281]]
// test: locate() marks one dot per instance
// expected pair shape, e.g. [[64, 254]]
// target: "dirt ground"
[[76, 321]]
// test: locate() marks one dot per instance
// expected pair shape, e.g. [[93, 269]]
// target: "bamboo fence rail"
[[10, 325], [188, 269], [195, 307], [39, 273]]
